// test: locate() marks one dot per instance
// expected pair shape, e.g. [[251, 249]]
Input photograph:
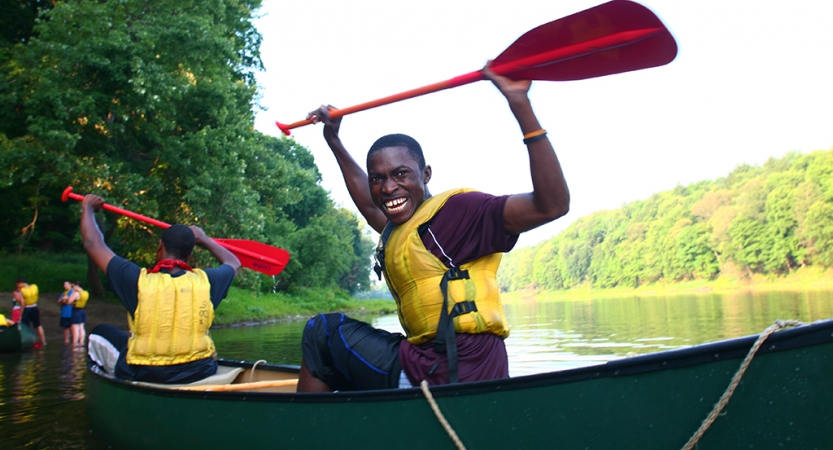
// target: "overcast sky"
[[752, 80]]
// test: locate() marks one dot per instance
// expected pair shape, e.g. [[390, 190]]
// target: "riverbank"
[[810, 279], [240, 308]]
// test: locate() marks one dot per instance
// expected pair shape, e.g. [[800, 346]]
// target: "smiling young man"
[[440, 256]]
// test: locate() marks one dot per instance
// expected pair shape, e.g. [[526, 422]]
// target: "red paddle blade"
[[257, 256], [615, 37]]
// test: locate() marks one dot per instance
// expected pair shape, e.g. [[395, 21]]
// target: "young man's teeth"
[[394, 206]]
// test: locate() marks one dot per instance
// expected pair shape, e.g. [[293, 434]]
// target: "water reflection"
[[71, 371], [553, 334], [41, 399], [278, 343], [25, 388]]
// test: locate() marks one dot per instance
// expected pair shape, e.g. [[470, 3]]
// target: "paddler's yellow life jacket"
[[414, 276], [171, 322], [82, 300], [30, 294], [3, 322]]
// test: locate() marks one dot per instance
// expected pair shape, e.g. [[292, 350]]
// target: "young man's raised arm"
[[550, 197], [91, 235], [354, 176]]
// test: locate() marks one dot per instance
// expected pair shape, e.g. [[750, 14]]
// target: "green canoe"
[[17, 337], [655, 401]]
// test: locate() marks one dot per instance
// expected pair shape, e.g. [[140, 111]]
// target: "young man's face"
[[397, 185]]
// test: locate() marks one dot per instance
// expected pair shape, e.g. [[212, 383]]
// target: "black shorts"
[[65, 322], [31, 317], [350, 355], [79, 315]]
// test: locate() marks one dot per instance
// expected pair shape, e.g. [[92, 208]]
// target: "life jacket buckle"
[[455, 273], [463, 308]]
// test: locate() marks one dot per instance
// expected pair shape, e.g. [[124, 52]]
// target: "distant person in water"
[[79, 314], [66, 300], [439, 255], [27, 295], [170, 307]]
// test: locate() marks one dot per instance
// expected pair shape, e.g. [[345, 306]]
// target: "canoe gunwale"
[[817, 333]]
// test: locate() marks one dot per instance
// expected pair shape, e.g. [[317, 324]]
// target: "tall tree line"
[[757, 220], [150, 104]]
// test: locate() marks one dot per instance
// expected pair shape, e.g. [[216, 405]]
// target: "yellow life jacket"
[[30, 294], [82, 300], [3, 322], [171, 322], [414, 275]]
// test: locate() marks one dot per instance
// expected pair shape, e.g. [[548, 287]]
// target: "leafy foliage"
[[757, 220], [150, 104]]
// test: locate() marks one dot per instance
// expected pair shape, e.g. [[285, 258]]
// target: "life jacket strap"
[[379, 267], [446, 341]]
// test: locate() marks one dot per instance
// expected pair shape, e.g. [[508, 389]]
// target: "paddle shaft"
[[160, 224], [241, 386], [553, 56]]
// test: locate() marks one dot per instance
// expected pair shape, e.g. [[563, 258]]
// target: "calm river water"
[[42, 391]]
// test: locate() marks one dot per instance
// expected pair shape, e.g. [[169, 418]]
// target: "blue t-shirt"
[[66, 310]]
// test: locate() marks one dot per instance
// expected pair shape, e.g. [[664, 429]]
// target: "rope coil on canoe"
[[428, 396], [724, 399]]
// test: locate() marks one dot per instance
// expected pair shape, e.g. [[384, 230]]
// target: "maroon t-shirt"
[[469, 226]]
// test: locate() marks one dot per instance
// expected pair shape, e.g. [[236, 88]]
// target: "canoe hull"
[[650, 401], [17, 337]]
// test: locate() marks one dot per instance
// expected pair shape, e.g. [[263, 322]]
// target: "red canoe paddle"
[[615, 37], [257, 256]]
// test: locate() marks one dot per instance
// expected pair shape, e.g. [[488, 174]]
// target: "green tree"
[[546, 270], [767, 219], [697, 258], [150, 104]]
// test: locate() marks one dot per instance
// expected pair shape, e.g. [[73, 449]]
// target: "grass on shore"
[[49, 271], [802, 279], [246, 306]]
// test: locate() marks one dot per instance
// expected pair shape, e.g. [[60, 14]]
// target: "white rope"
[[252, 374], [736, 380], [440, 417]]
